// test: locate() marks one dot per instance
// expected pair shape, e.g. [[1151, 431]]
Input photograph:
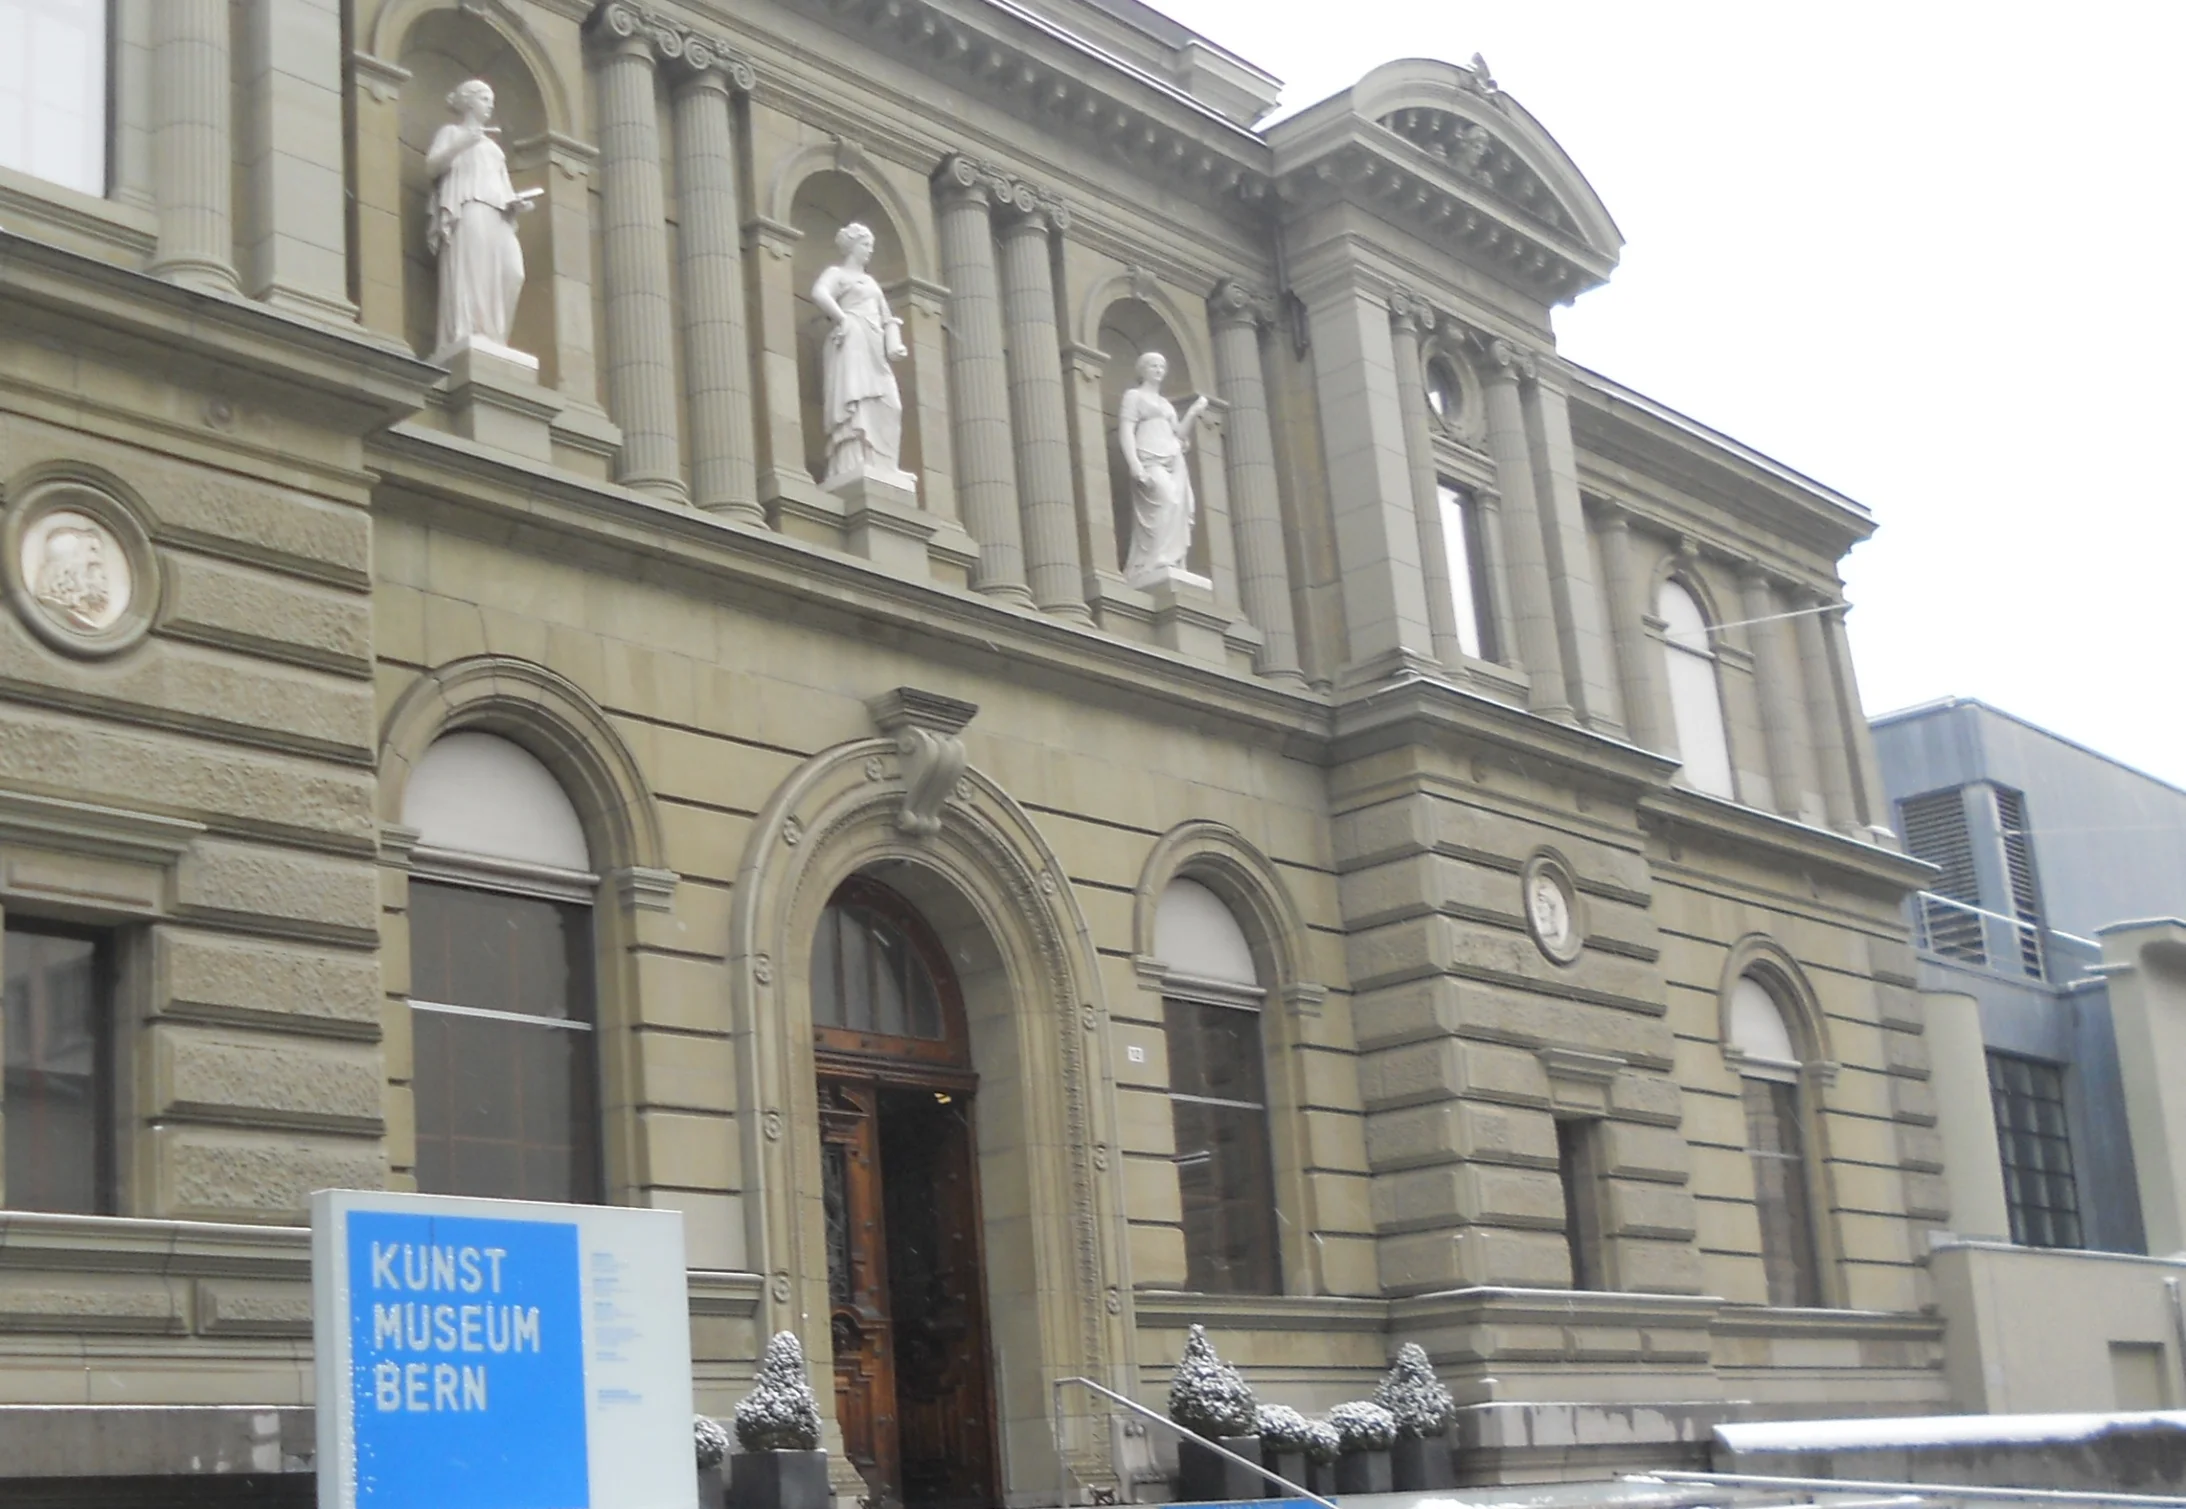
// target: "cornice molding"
[[1685, 816]]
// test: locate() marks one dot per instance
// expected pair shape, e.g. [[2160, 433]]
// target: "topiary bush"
[[1280, 1428], [710, 1439], [780, 1414], [1207, 1395], [1363, 1425], [1322, 1444], [1412, 1393]]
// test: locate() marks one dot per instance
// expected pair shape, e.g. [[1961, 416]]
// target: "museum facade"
[[1450, 900]]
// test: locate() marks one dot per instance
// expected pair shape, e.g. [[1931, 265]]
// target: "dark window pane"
[[882, 982], [1786, 1213], [1223, 1166], [827, 990], [1578, 1164], [57, 1019], [504, 1109], [2034, 1144]]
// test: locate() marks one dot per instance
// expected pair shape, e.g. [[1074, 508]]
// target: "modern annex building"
[[1468, 918]]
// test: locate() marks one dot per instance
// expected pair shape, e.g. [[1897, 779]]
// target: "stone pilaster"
[[710, 270], [1041, 425], [193, 108], [1783, 711], [641, 375], [1533, 610], [1410, 317], [1639, 660], [1832, 756], [1870, 798], [986, 471], [1263, 572], [1587, 673], [293, 242], [1495, 573]]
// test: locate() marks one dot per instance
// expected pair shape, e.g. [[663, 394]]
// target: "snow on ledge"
[[1935, 1431]]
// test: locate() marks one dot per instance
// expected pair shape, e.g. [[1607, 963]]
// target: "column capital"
[[694, 58], [960, 174], [1232, 304], [1504, 361], [1411, 313]]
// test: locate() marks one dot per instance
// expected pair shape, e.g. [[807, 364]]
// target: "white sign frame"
[[632, 1299]]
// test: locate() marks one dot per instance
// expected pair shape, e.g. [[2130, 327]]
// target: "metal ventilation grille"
[[1934, 826], [2026, 902]]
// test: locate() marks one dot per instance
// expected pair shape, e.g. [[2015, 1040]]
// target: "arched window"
[[1212, 995], [501, 977], [1769, 1070], [881, 981], [1696, 703]]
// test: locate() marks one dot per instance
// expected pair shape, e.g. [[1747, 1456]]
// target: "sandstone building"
[[1460, 910]]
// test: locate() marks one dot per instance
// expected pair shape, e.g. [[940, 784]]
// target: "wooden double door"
[[906, 1293]]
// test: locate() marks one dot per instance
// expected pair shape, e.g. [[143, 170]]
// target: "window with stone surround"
[[1469, 591], [501, 977], [1696, 699], [53, 91], [57, 1111], [1770, 1076], [1579, 1167], [1211, 1003]]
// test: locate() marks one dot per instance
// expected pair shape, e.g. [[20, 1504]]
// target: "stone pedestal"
[[1186, 617], [494, 398], [883, 522]]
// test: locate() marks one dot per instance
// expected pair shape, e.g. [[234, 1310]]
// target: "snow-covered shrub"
[[1322, 1444], [779, 1414], [711, 1440], [1208, 1395], [1363, 1425], [1413, 1394], [1280, 1428]]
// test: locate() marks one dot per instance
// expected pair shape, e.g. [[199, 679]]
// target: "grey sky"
[[1928, 253]]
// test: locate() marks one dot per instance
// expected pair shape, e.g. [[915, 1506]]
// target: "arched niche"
[[442, 49], [1128, 329], [822, 204]]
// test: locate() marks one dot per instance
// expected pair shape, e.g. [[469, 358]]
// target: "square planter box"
[[778, 1480], [1203, 1477], [711, 1490], [1363, 1472], [1422, 1464], [1314, 1477]]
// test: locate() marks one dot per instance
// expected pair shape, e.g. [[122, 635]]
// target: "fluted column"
[[1263, 572], [1783, 713], [1038, 416], [1639, 660], [1824, 722], [1533, 608], [710, 270], [192, 145], [986, 481], [641, 376], [1870, 798], [1409, 318]]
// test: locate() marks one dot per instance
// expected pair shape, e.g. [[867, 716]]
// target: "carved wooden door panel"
[[857, 1283], [936, 1299]]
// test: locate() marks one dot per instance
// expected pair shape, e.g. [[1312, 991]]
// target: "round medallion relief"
[[79, 568], [1552, 908]]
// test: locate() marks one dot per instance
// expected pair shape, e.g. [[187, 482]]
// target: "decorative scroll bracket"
[[925, 726]]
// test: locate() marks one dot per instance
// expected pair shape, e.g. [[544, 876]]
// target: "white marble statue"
[[1154, 443], [472, 229], [862, 407]]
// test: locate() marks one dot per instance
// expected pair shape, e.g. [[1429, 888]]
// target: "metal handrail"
[[1137, 1408], [1971, 1491]]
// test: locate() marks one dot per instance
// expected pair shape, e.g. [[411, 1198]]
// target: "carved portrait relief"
[[79, 568]]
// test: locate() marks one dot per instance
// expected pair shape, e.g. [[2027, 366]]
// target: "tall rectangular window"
[[1777, 1145], [1469, 588], [502, 1026], [53, 72], [1579, 1165], [1219, 1099], [2035, 1148], [57, 1114]]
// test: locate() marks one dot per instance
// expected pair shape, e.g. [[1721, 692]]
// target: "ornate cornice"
[[674, 43], [1002, 188]]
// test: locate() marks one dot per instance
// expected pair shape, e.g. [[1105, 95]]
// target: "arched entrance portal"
[[899, 1178]]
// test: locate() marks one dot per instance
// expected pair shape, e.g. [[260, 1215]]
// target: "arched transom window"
[[1769, 1081], [501, 977], [1212, 997]]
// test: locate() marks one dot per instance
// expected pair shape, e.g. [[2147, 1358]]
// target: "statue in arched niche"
[[1155, 442], [472, 225], [859, 401]]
